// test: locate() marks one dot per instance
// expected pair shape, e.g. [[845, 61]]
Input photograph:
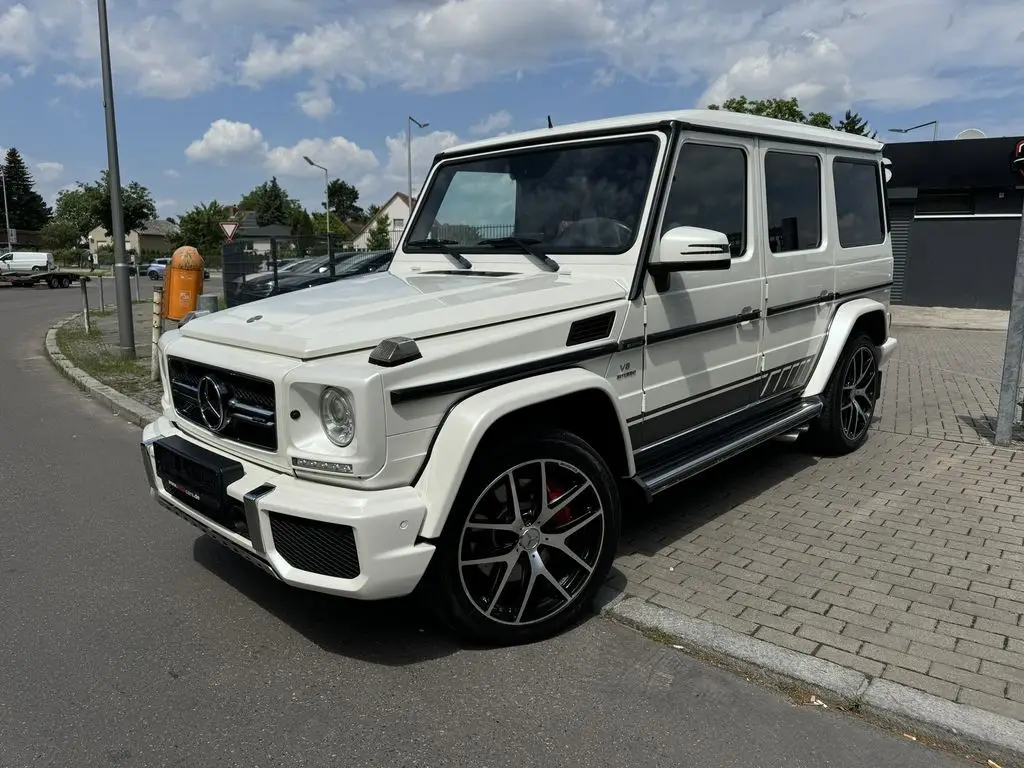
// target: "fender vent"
[[590, 329]]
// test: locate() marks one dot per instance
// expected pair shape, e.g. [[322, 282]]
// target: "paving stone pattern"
[[904, 561]]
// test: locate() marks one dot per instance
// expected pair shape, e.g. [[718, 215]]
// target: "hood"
[[358, 312]]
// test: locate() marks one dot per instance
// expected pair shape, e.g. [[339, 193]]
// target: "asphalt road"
[[128, 639]]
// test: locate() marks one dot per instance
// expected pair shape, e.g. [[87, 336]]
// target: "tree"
[[371, 211], [789, 109], [271, 203], [74, 209], [137, 206], [380, 235], [26, 208], [338, 227], [343, 199], [200, 228], [60, 235]]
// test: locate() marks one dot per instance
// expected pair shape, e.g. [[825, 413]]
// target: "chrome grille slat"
[[250, 403]]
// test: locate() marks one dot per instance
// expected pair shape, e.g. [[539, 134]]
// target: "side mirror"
[[689, 249]]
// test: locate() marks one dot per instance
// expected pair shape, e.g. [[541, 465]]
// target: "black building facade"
[[955, 217]]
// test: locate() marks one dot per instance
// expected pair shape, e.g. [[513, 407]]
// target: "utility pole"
[[122, 279], [1013, 356], [7, 217]]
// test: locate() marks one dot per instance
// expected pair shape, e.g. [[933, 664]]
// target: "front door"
[[703, 332]]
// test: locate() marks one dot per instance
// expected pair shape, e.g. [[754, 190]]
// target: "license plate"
[[197, 477]]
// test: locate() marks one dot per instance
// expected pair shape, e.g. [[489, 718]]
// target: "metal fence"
[[463, 234], [253, 267]]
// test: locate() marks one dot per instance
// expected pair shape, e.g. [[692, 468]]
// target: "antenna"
[[549, 122], [970, 133]]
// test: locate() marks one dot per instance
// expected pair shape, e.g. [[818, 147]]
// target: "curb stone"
[[123, 406], [947, 723]]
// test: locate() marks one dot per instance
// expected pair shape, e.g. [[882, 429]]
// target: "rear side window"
[[793, 192], [859, 203]]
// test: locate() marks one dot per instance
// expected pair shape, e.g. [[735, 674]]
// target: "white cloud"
[[394, 177], [18, 38], [165, 207], [171, 173], [492, 124], [48, 171], [341, 157], [5, 80], [226, 141], [316, 102], [72, 80]]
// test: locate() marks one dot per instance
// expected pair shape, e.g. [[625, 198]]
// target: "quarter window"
[[793, 191], [709, 190], [859, 203]]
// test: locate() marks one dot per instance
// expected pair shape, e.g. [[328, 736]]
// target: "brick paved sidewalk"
[[904, 561]]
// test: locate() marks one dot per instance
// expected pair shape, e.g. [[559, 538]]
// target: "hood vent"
[[590, 329]]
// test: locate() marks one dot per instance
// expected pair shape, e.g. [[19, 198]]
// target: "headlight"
[[337, 417]]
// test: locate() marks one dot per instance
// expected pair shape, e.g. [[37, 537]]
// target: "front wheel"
[[529, 540], [849, 399], [154, 275]]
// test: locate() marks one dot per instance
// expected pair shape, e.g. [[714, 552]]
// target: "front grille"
[[249, 404], [314, 546]]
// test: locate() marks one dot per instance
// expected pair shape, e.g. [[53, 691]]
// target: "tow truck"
[[53, 279]]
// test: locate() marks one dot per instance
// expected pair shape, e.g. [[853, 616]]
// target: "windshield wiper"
[[445, 247], [527, 245]]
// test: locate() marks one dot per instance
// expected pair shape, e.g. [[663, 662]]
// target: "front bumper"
[[359, 544]]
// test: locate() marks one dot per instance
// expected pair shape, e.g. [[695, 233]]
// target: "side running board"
[[703, 455]]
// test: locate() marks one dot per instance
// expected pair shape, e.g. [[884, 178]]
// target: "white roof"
[[712, 119]]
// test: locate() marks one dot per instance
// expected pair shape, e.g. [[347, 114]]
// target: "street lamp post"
[[1013, 355], [122, 284], [327, 212], [935, 129], [7, 218], [408, 150]]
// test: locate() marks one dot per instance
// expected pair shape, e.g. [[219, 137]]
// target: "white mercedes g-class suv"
[[576, 319]]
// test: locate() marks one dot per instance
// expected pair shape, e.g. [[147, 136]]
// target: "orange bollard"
[[183, 283]]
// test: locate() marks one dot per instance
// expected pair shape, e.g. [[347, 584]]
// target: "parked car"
[[157, 267], [314, 272], [26, 261], [676, 288]]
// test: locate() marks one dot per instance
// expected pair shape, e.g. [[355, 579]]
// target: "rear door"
[[799, 262]]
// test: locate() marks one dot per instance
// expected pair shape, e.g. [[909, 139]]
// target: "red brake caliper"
[[564, 515]]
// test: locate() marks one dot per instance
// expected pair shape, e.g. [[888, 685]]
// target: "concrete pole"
[[1013, 356], [122, 280]]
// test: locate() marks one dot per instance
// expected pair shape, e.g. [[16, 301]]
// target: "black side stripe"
[[672, 334], [823, 299], [502, 375]]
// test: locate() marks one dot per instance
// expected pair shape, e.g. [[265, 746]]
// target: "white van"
[[575, 320], [26, 261]]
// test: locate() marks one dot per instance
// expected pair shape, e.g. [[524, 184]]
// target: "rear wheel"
[[65, 281], [37, 269], [529, 540], [849, 399], [153, 275]]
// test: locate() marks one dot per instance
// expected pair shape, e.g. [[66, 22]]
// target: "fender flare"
[[460, 434], [839, 330]]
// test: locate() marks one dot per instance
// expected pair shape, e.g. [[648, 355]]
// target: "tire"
[[154, 275], [833, 433], [65, 282], [51, 282], [461, 592], [37, 269]]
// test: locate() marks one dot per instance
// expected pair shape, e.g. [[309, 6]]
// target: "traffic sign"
[[229, 228]]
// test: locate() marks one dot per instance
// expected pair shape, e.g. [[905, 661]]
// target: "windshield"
[[575, 198]]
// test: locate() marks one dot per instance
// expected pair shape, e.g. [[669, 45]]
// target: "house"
[[397, 209], [151, 240], [955, 218], [257, 239]]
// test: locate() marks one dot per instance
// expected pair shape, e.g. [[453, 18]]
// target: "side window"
[[859, 203], [709, 189], [793, 192]]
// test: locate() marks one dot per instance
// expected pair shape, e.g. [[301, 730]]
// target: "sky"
[[215, 96]]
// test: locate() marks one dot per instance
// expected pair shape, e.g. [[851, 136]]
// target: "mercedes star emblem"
[[213, 398]]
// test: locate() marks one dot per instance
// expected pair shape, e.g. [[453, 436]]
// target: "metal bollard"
[[208, 302], [103, 303], [85, 304], [158, 326]]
